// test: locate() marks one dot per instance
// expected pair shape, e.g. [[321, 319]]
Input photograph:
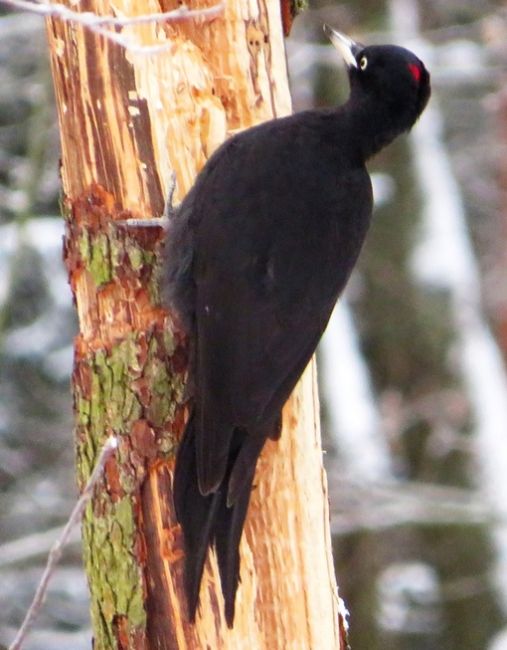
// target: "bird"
[[256, 256]]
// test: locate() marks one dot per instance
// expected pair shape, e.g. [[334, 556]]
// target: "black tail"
[[207, 520]]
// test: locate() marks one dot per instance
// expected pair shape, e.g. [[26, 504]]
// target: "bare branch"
[[56, 550], [382, 505], [103, 25], [32, 546]]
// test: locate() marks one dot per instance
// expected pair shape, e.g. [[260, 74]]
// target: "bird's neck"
[[372, 127]]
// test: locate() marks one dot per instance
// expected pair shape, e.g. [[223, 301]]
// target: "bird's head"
[[386, 76]]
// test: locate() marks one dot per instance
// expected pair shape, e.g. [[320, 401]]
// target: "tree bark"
[[127, 118]]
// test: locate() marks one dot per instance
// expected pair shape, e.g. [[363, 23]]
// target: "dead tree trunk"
[[127, 117]]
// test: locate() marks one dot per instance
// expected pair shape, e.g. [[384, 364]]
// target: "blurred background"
[[412, 367]]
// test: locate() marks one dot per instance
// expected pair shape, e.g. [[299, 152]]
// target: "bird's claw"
[[156, 222], [169, 208]]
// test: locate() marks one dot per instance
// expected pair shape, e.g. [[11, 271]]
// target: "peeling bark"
[[126, 120]]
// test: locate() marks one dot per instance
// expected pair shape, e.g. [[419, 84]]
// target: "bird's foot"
[[153, 222], [156, 222], [169, 207]]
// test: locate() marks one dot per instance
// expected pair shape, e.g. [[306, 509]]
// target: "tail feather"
[[196, 514], [208, 520], [242, 467], [228, 532]]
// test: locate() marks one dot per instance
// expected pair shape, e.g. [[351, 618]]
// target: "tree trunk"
[[127, 118], [501, 117]]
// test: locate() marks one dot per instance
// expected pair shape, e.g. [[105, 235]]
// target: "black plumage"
[[257, 255]]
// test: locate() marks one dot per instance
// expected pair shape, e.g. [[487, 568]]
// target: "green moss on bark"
[[126, 384], [95, 254], [112, 254], [130, 383], [113, 570]]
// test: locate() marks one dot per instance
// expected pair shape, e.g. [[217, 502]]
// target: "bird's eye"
[[363, 62]]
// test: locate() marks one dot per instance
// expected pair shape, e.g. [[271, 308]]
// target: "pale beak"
[[348, 48]]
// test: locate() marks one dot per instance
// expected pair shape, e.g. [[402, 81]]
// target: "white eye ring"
[[363, 63]]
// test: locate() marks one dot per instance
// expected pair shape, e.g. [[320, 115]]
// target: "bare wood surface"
[[127, 119]]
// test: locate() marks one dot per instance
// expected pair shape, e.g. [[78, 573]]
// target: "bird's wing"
[[270, 260]]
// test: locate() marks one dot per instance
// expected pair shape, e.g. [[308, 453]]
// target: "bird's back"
[[257, 257], [259, 201]]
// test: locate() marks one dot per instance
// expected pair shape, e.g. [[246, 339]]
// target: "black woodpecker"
[[257, 254]]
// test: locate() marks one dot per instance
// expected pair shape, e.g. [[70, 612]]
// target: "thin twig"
[[56, 550], [90, 19], [100, 24]]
